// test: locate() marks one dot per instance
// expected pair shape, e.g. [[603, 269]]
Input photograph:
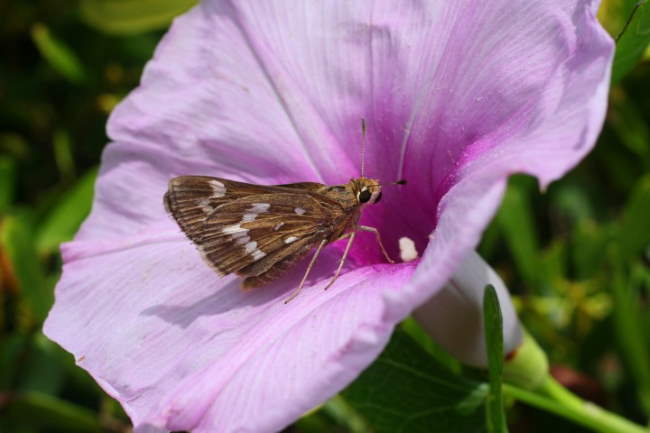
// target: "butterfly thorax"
[[351, 197], [354, 194]]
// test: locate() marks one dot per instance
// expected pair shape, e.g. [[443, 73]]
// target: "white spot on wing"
[[254, 211], [218, 188], [290, 239], [235, 230], [260, 207], [277, 226], [241, 234], [251, 248], [407, 251], [299, 210], [205, 206]]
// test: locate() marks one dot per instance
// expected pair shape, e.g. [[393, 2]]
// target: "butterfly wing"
[[250, 229], [190, 199]]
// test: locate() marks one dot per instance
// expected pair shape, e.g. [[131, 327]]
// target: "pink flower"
[[453, 317], [457, 95]]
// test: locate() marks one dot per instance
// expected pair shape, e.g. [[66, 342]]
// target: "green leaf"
[[14, 145], [316, 422], [17, 242], [126, 17], [589, 240], [627, 121], [40, 410], [571, 201], [407, 391], [632, 44], [633, 234], [7, 182], [493, 323], [553, 262], [58, 54], [41, 369], [61, 223], [63, 154], [630, 332], [517, 221], [11, 347]]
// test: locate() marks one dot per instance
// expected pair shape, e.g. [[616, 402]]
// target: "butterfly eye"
[[364, 196], [378, 198]]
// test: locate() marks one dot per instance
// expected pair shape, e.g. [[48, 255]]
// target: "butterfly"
[[259, 232]]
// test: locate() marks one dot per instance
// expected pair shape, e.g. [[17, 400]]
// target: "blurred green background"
[[577, 258]]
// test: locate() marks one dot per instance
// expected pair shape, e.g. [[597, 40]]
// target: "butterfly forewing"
[[256, 231], [190, 199]]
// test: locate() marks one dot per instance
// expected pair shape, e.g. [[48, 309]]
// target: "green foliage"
[[517, 222], [408, 390], [634, 40], [125, 17], [39, 411], [17, 243], [632, 338], [58, 54], [7, 182], [633, 229], [493, 323], [63, 219]]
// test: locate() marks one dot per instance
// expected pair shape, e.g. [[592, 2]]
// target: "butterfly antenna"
[[363, 146], [397, 182]]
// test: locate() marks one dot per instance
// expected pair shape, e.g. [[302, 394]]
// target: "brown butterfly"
[[260, 231]]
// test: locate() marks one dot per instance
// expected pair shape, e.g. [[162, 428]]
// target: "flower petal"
[[454, 316], [183, 349], [559, 126]]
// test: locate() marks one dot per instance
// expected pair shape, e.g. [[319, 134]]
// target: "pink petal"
[[457, 96], [183, 349], [454, 316], [556, 129]]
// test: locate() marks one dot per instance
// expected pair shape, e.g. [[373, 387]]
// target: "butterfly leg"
[[378, 236], [304, 277], [345, 256]]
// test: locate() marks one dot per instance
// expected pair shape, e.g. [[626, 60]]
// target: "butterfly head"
[[366, 191]]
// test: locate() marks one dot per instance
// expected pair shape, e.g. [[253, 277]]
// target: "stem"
[[553, 397]]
